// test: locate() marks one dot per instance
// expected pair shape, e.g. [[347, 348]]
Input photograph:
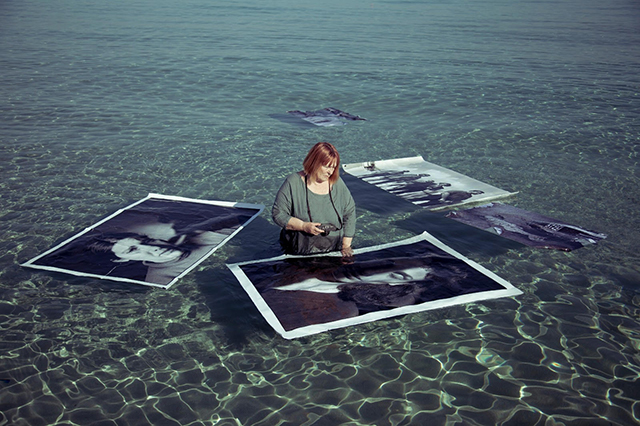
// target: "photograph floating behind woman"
[[300, 296], [154, 241], [424, 184]]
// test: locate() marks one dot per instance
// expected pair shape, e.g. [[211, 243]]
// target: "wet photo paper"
[[326, 117], [154, 241], [425, 184], [304, 295], [531, 229]]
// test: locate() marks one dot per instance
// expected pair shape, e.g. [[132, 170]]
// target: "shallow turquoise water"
[[102, 103]]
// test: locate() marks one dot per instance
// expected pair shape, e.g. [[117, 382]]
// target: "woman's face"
[[324, 172], [156, 230], [132, 249], [401, 276]]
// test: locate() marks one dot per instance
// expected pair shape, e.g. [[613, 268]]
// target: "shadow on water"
[[461, 237], [230, 306], [374, 199], [259, 240]]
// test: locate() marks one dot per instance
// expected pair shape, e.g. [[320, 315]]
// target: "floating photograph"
[[529, 228], [154, 241], [327, 117], [304, 295], [425, 184]]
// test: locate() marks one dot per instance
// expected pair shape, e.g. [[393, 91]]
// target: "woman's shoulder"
[[340, 184], [295, 178]]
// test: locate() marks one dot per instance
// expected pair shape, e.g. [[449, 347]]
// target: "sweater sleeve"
[[348, 211], [282, 209]]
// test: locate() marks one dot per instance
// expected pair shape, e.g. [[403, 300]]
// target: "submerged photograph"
[[103, 103], [155, 241], [304, 295]]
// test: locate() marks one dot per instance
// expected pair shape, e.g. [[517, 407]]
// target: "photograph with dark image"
[[306, 295], [528, 228], [424, 184], [154, 241]]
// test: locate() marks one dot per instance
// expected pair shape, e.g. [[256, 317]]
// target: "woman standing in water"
[[315, 208]]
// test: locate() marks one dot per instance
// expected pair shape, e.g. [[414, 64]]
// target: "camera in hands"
[[327, 228]]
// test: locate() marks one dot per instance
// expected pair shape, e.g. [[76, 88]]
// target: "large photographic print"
[[425, 184], [154, 241], [304, 295], [529, 228]]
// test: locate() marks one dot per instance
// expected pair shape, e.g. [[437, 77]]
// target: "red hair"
[[322, 154]]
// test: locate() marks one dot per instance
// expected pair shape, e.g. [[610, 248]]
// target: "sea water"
[[104, 102]]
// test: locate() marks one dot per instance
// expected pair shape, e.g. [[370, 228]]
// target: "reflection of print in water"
[[153, 242], [417, 188], [318, 290]]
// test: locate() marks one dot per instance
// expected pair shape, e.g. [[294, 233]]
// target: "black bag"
[[297, 242], [288, 241]]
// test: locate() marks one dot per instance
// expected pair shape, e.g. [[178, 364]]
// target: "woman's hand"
[[312, 228], [296, 224], [347, 250]]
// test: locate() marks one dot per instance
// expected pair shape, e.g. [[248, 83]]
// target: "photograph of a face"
[[425, 184], [154, 241], [304, 295]]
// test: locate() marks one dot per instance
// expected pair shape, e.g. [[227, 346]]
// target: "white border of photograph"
[[508, 291], [30, 263], [417, 165]]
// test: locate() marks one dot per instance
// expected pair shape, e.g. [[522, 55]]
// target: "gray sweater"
[[291, 201]]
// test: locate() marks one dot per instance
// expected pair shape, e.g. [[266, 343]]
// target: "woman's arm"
[[296, 224], [282, 211], [349, 218], [347, 251]]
